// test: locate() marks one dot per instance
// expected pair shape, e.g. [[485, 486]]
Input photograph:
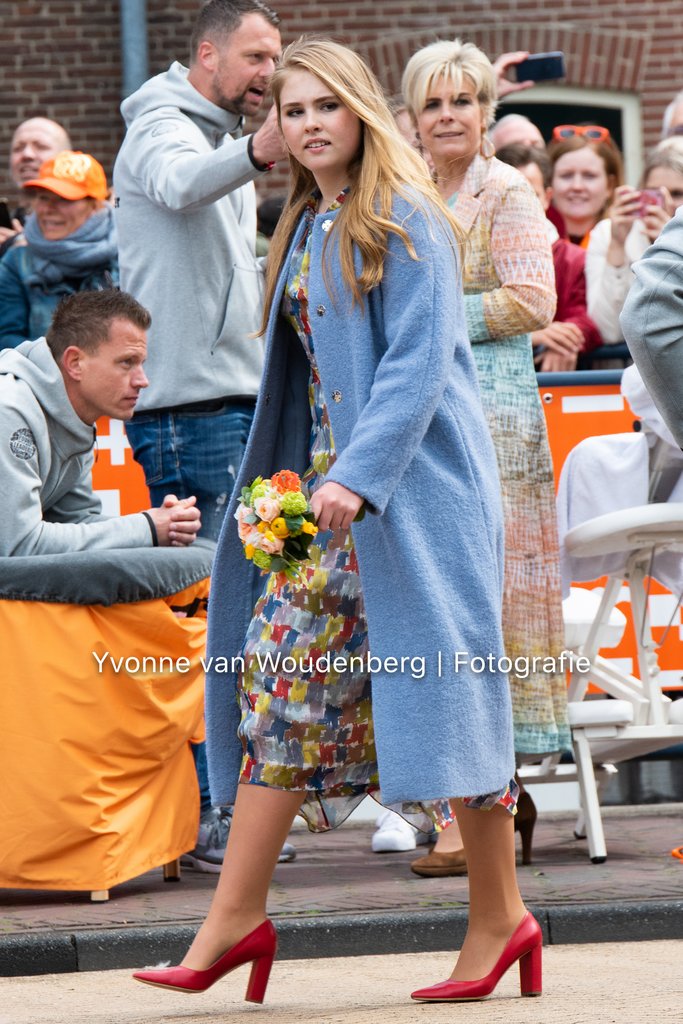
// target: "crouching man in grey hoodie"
[[51, 393]]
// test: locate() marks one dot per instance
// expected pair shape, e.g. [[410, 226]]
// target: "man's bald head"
[[33, 142], [517, 130]]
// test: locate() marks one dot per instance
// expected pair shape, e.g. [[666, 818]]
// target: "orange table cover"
[[98, 778]]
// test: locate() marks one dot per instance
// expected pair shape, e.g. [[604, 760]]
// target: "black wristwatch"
[[250, 154]]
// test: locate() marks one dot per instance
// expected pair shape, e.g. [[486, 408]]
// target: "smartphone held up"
[[649, 197], [541, 67], [5, 214]]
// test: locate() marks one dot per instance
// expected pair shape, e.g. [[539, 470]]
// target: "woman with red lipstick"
[[508, 277], [369, 393], [70, 246]]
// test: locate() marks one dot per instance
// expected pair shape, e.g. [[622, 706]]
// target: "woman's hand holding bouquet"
[[276, 524]]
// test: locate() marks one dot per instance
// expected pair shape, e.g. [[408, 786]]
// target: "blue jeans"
[[202, 769], [199, 453]]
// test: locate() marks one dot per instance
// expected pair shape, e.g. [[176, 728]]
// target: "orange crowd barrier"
[[574, 410]]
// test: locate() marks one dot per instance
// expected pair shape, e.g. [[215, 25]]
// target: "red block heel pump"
[[524, 945], [257, 948]]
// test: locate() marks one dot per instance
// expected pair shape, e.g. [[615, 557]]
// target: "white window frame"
[[628, 103]]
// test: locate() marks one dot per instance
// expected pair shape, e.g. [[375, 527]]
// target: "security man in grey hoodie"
[[186, 221], [652, 322], [51, 393]]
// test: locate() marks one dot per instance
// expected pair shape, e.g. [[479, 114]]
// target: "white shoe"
[[395, 835]]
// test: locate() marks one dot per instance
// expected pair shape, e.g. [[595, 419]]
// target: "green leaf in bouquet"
[[294, 523], [278, 564], [259, 488], [297, 547], [305, 544], [247, 492]]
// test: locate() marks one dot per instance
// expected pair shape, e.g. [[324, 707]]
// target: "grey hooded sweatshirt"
[[186, 222], [652, 322], [46, 456]]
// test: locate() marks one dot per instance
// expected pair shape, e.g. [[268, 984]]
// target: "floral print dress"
[[312, 730]]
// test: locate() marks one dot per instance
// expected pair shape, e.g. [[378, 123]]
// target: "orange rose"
[[285, 481]]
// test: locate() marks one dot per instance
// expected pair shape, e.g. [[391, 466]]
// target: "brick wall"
[[62, 59]]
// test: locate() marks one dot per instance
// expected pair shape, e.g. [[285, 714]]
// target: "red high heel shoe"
[[258, 948], [523, 945]]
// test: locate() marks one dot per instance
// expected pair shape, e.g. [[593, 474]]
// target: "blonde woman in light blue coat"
[[370, 395]]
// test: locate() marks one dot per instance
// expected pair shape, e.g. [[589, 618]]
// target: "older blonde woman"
[[450, 90]]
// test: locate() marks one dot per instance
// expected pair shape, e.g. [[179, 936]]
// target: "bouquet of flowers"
[[275, 524]]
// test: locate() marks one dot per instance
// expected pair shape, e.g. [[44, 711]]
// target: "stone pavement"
[[338, 898], [620, 983]]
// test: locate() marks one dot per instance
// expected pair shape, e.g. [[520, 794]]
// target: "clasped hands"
[[560, 344], [177, 521]]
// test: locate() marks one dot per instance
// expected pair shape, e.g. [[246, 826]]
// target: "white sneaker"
[[394, 834]]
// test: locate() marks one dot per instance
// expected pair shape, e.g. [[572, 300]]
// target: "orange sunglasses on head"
[[589, 131]]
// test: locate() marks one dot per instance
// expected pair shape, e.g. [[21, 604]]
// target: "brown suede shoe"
[[438, 865]]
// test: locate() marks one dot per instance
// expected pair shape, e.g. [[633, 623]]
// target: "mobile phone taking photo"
[[5, 214], [541, 67], [649, 197]]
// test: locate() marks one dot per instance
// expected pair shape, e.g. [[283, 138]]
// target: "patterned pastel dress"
[[313, 731], [508, 279]]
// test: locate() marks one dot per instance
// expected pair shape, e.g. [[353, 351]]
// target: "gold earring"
[[486, 148]]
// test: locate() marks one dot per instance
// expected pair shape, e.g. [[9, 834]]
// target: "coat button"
[[336, 396], [321, 310], [267, 398]]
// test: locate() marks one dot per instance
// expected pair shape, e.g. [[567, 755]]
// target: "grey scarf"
[[92, 246]]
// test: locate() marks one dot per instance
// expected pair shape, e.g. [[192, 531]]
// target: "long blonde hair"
[[385, 165]]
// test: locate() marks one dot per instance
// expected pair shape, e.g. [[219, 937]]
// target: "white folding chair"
[[580, 610], [639, 719]]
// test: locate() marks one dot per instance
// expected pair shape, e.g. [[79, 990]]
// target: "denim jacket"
[[26, 309]]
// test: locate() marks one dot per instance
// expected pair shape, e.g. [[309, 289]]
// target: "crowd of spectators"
[[586, 199], [181, 223], [592, 207]]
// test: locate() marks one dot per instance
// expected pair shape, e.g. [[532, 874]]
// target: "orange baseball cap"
[[72, 175]]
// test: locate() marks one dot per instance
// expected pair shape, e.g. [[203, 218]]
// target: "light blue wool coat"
[[400, 385]]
